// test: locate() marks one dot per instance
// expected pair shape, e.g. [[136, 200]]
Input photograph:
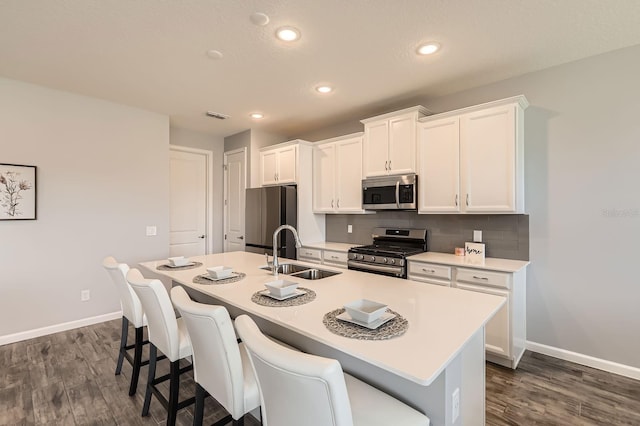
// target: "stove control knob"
[[393, 261], [359, 256], [384, 260], [373, 258]]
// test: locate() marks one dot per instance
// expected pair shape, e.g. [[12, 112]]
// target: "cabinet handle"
[[338, 203], [275, 176], [385, 165], [481, 278], [332, 203], [467, 199], [456, 200], [429, 270], [389, 164], [334, 257]]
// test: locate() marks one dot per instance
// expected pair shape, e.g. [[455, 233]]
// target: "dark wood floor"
[[68, 379]]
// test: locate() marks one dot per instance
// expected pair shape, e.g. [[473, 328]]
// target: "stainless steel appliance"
[[389, 251], [265, 210], [390, 193]]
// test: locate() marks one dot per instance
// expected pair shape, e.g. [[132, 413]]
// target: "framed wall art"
[[17, 192]]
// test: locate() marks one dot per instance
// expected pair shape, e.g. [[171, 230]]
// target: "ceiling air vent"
[[217, 115]]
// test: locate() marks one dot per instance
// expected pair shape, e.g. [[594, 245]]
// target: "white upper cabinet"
[[279, 166], [439, 166], [472, 160], [337, 175], [390, 142]]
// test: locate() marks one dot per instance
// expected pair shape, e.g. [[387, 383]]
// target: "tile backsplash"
[[505, 236]]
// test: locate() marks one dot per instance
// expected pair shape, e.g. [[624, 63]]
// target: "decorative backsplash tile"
[[505, 236]]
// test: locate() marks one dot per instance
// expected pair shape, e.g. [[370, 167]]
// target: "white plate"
[[387, 316], [168, 265], [296, 292], [210, 278]]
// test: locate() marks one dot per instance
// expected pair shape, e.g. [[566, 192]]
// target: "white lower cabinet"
[[311, 255], [329, 257], [335, 258], [505, 333]]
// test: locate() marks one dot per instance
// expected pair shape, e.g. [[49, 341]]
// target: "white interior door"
[[188, 203], [234, 188]]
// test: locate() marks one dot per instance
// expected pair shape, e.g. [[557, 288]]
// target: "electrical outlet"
[[477, 236], [152, 231], [85, 295], [349, 229], [455, 405]]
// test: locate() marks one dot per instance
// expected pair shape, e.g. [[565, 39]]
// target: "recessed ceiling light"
[[259, 18], [288, 33], [428, 48], [214, 54], [257, 115], [324, 89]]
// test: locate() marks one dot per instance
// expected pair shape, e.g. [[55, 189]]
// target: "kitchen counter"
[[327, 245], [442, 349], [490, 263]]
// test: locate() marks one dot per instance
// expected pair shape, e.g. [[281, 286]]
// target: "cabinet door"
[[287, 165], [439, 166], [402, 144], [324, 160], [488, 161], [349, 175], [498, 330], [268, 168], [376, 148]]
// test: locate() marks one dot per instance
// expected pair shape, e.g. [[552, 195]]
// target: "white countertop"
[[327, 245], [490, 263], [441, 319]]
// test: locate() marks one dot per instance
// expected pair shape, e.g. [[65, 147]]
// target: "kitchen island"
[[440, 355]]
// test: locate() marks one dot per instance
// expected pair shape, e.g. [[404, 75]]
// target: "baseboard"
[[44, 331], [589, 361]]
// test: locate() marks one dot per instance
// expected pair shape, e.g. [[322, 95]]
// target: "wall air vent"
[[217, 115]]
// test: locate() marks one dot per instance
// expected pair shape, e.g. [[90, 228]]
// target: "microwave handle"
[[398, 194]]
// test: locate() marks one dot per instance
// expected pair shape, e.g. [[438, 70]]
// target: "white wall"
[[103, 175], [191, 139]]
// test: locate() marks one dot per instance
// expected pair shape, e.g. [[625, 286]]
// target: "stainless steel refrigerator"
[[266, 209]]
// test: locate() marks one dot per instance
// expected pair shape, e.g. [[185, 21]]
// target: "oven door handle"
[[379, 268], [398, 194]]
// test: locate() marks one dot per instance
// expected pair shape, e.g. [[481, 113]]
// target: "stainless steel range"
[[389, 251]]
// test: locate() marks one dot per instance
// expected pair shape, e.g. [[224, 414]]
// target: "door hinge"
[[225, 236], [224, 166], [225, 202]]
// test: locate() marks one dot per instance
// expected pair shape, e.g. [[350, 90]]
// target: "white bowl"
[[364, 310], [281, 288], [219, 272], [178, 261]]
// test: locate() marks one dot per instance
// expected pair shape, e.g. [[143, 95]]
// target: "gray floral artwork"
[[17, 192]]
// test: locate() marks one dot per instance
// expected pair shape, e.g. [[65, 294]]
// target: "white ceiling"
[[152, 53]]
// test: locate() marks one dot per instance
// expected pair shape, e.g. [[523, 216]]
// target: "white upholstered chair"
[[167, 334], [221, 367], [298, 388], [131, 314]]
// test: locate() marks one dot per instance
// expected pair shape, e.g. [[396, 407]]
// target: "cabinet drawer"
[[337, 257], [310, 253], [423, 279], [430, 270], [475, 276]]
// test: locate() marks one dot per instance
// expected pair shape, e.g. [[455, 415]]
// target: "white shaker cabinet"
[[279, 166], [337, 175], [472, 160], [390, 142]]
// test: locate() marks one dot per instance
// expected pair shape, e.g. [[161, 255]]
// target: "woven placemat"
[[294, 301], [179, 268], [393, 328], [200, 279]]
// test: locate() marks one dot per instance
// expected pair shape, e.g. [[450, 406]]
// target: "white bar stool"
[[298, 388], [221, 366], [131, 314], [166, 333]]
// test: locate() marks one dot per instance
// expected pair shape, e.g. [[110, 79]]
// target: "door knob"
[[201, 236], [241, 237]]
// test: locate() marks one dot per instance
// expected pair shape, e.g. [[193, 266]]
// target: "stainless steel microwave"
[[390, 193]]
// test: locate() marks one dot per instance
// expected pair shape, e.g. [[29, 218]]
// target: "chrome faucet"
[[275, 245]]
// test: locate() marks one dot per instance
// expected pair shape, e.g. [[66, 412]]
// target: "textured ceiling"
[[152, 53]]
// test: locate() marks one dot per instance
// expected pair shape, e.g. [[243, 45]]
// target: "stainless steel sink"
[[314, 274], [287, 268]]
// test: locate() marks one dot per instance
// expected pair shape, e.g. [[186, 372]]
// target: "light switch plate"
[[349, 229], [152, 231], [477, 236]]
